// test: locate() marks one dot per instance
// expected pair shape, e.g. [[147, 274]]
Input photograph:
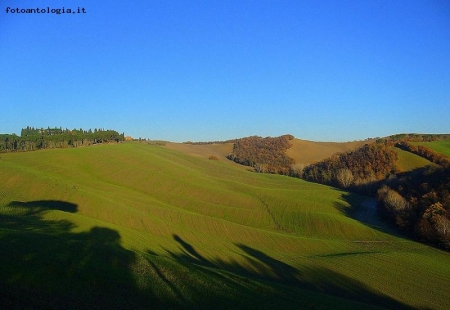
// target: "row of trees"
[[425, 152], [264, 154], [34, 139], [412, 137], [32, 131]]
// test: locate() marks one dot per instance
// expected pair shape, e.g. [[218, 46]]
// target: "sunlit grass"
[[408, 161], [438, 146], [192, 225]]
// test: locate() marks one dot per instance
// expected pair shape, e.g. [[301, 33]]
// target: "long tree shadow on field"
[[44, 265], [258, 265]]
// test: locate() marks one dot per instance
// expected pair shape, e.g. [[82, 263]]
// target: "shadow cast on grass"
[[44, 265], [364, 210], [41, 205], [262, 267]]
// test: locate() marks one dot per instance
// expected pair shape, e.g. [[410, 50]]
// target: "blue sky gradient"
[[216, 70]]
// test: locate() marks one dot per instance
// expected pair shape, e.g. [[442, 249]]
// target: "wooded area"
[[413, 137], [264, 154], [39, 138], [425, 152], [368, 164], [417, 202]]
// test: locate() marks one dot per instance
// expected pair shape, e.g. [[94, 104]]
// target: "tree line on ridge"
[[32, 138]]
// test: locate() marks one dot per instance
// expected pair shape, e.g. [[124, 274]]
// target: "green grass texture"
[[132, 226], [408, 161], [442, 146]]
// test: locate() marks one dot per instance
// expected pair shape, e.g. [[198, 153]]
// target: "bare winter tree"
[[261, 168], [344, 177], [437, 215], [297, 170], [443, 229]]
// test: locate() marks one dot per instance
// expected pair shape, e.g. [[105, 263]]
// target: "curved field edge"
[[177, 210], [442, 146], [408, 161]]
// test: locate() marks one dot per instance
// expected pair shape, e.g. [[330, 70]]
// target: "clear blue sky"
[[216, 70]]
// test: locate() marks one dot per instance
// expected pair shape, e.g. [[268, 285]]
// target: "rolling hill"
[[302, 151], [309, 152], [220, 150], [133, 225]]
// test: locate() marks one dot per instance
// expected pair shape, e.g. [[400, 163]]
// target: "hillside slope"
[[309, 152], [220, 150], [442, 146], [153, 226], [302, 151], [408, 161]]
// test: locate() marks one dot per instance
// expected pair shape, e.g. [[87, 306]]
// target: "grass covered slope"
[[219, 150], [442, 146], [132, 224], [408, 161]]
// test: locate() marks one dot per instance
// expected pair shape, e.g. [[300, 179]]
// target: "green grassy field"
[[438, 146], [408, 161], [134, 225]]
